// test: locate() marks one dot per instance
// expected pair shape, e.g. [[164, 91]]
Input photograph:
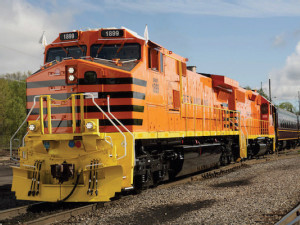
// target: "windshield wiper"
[[99, 49], [65, 50]]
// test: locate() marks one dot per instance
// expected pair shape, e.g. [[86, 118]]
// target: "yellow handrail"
[[256, 126]]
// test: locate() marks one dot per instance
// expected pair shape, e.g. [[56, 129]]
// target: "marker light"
[[71, 143], [46, 144], [32, 127], [71, 78], [78, 144], [71, 70], [89, 125]]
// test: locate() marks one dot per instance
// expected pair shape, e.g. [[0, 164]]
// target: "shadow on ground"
[[161, 214], [235, 183]]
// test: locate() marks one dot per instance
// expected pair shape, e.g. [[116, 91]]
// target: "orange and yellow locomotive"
[[110, 111]]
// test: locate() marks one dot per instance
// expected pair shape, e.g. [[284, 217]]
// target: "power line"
[[16, 50]]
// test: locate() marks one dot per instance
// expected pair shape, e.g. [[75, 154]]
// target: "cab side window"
[[155, 60]]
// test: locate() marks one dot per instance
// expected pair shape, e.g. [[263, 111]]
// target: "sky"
[[248, 41]]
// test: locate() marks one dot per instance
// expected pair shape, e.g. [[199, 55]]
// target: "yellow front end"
[[76, 167]]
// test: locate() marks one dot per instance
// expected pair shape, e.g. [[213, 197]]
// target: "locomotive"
[[111, 111]]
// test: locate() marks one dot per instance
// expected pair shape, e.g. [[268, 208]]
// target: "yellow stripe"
[[287, 139], [289, 130], [154, 135], [176, 134], [257, 136]]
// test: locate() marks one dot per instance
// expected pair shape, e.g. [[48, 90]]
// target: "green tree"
[[262, 93], [12, 106], [287, 106]]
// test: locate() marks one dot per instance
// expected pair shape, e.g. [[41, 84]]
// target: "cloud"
[[230, 8], [279, 40], [286, 81], [22, 25]]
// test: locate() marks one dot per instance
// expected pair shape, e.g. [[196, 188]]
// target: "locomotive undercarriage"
[[259, 147], [287, 144], [162, 160]]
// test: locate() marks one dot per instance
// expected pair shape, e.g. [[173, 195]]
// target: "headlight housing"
[[71, 70], [32, 127], [71, 74], [90, 125], [71, 78]]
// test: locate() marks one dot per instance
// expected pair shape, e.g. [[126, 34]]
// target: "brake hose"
[[74, 187]]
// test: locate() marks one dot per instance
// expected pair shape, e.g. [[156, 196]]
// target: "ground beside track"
[[255, 194], [7, 198], [5, 175]]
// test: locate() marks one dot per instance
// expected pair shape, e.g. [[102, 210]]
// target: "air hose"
[[74, 187]]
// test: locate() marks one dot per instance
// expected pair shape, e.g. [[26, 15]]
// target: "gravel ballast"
[[251, 195]]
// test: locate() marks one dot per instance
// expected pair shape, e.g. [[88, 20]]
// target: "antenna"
[[270, 96]]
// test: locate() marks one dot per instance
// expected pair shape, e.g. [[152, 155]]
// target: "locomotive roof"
[[285, 112]]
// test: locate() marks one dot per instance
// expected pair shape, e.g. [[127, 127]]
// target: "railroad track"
[[44, 212], [55, 217], [292, 217], [14, 212]]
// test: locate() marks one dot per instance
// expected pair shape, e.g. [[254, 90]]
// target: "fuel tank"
[[258, 148], [194, 158]]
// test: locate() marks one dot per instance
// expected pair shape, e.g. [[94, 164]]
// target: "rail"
[[25, 120], [73, 100], [108, 109], [213, 118], [125, 142], [256, 126], [291, 218]]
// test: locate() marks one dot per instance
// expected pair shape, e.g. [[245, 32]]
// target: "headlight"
[[71, 70], [32, 127], [71, 78], [89, 125]]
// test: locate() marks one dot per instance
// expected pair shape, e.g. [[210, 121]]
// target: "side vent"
[[176, 100]]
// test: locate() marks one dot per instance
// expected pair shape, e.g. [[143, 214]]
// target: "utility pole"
[[270, 96], [299, 102]]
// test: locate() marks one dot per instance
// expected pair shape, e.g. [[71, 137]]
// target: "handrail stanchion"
[[101, 110], [108, 109], [25, 120], [73, 114], [42, 114], [81, 112], [49, 114]]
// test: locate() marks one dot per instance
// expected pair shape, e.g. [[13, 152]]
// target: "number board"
[[68, 36], [112, 33]]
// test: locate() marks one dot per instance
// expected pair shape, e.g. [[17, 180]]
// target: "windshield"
[[116, 51], [60, 53]]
